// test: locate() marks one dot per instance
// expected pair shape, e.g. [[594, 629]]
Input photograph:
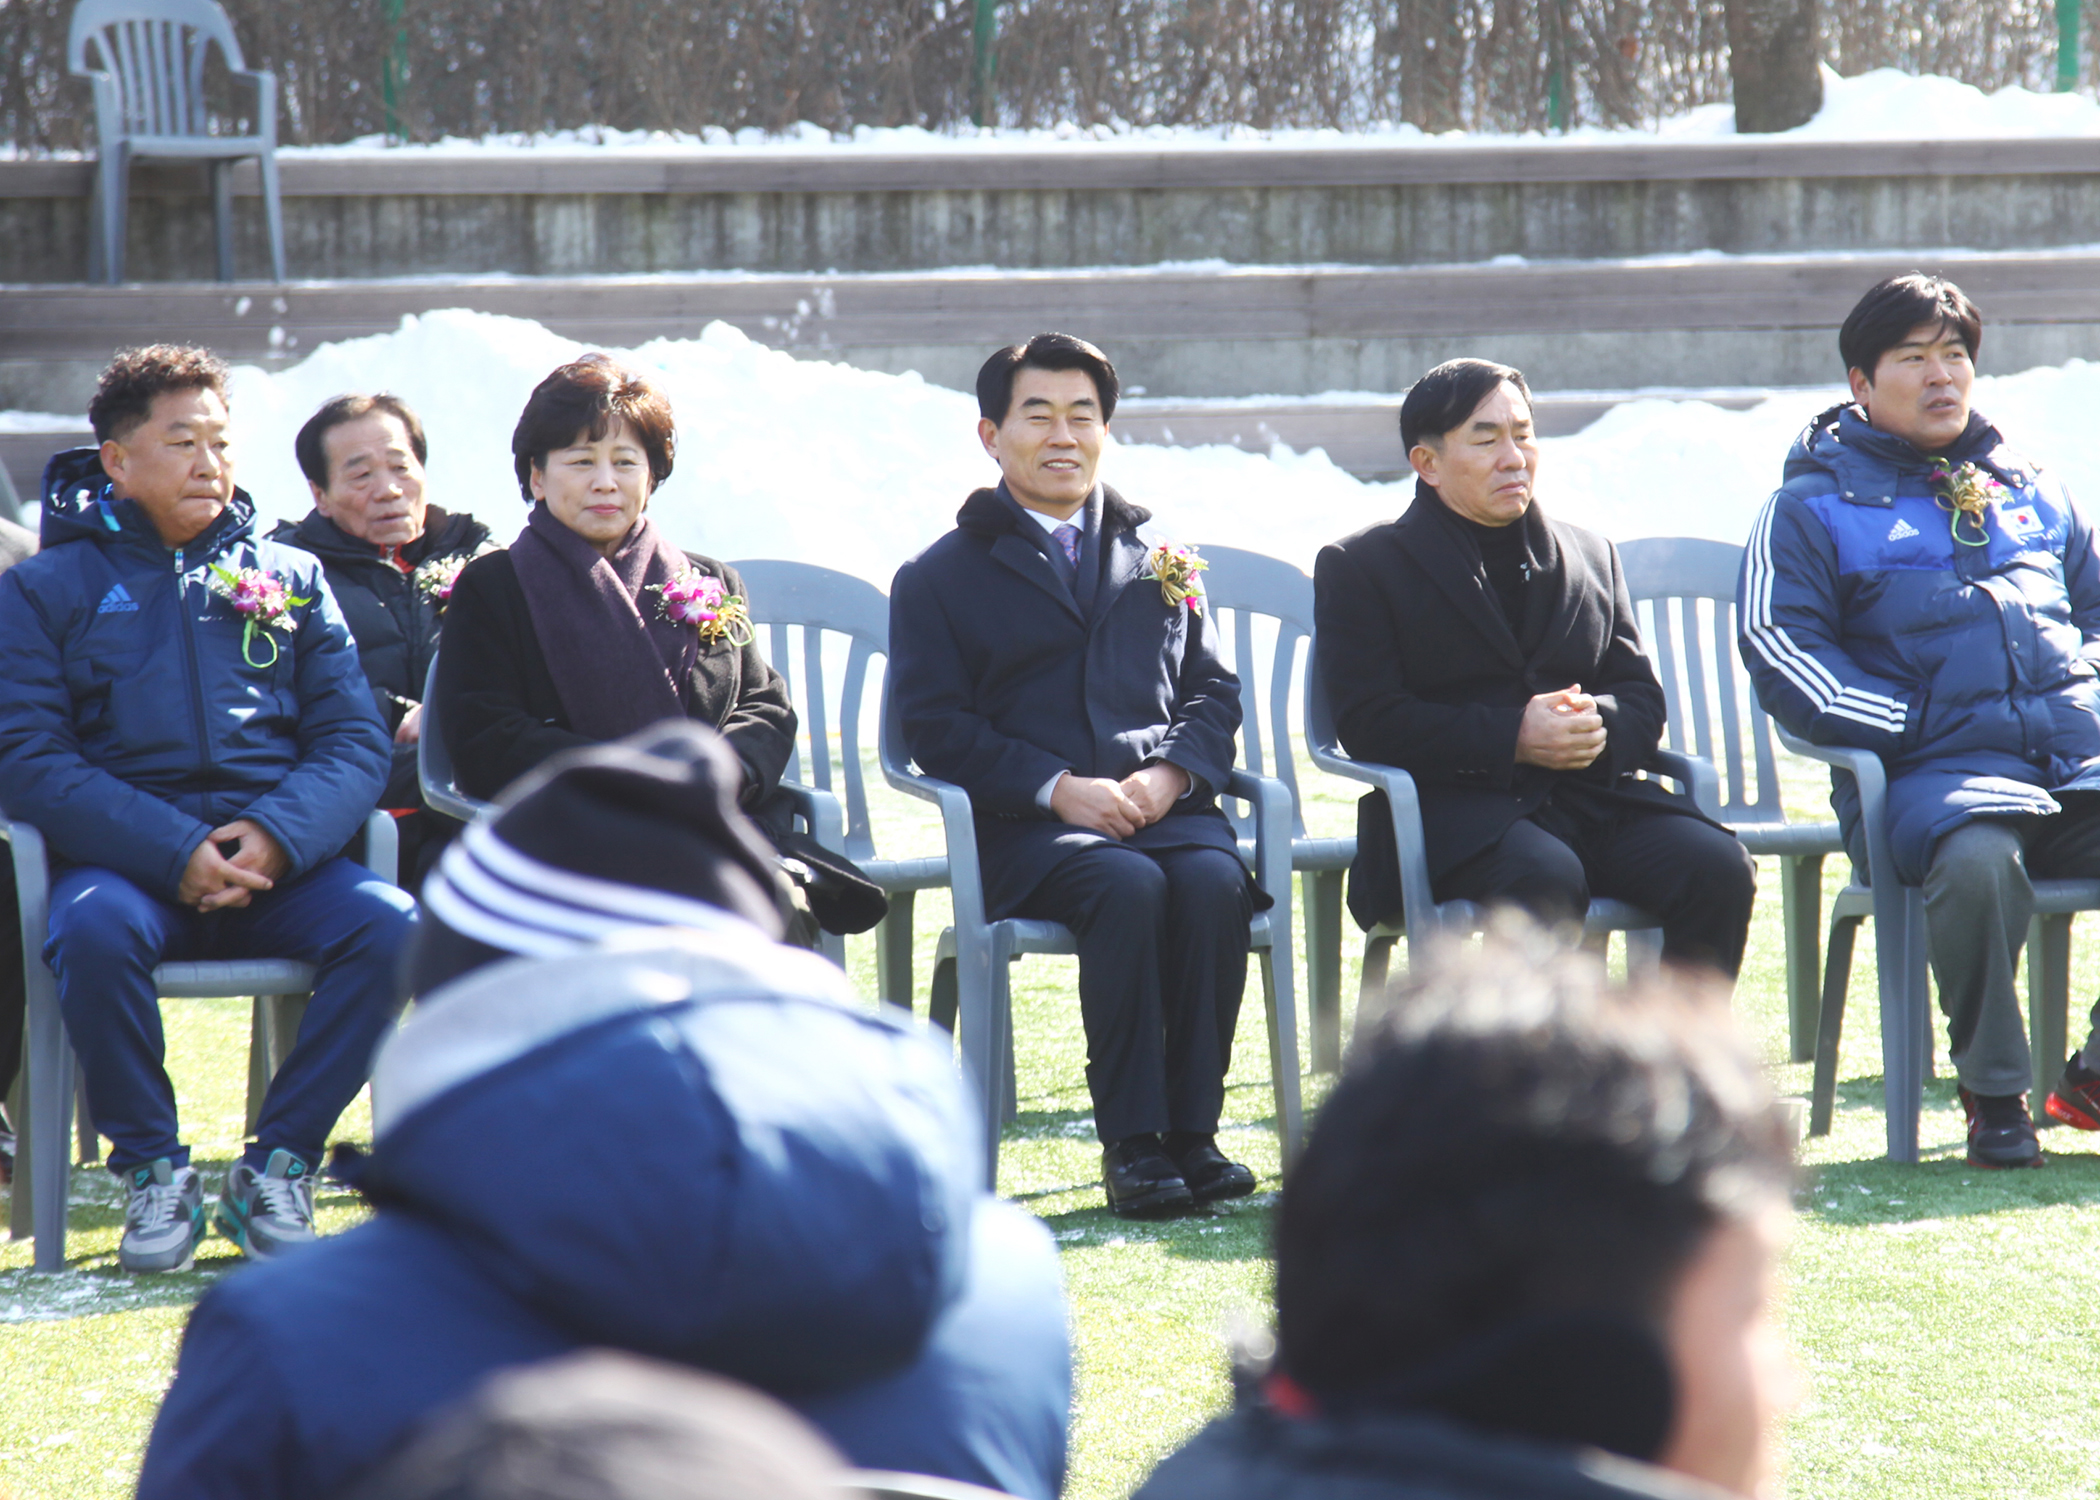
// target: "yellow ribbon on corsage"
[[1174, 568], [1966, 491]]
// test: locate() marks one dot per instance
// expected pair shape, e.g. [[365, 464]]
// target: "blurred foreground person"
[[746, 1171], [606, 1426], [391, 558], [1529, 1252]]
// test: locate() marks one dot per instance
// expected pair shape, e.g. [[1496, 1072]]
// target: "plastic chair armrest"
[[1418, 899], [1693, 772], [383, 847], [1273, 822], [820, 812], [959, 826], [1870, 776]]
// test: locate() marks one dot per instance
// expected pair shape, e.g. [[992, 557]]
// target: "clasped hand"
[[1561, 731], [1119, 808], [212, 881]]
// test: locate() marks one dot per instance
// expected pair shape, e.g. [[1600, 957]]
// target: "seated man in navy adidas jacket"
[[1918, 589], [183, 717]]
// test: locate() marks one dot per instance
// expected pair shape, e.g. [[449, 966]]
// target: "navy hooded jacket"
[[132, 724], [1966, 661], [754, 1175]]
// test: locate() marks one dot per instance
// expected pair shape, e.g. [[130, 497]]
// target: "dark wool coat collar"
[[986, 515], [1451, 558]]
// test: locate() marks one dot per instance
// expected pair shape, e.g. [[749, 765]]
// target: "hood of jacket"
[[79, 507], [691, 1145], [1867, 462]]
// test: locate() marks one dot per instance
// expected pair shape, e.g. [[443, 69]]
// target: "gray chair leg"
[[273, 213], [1322, 894], [90, 1144], [1905, 1016], [222, 215], [1370, 991], [47, 1121], [1801, 895], [1830, 1020], [112, 177], [1283, 1058], [18, 1226], [2048, 1005], [893, 950], [271, 1036]]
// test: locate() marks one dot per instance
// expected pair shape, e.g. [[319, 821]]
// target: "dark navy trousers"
[[106, 937]]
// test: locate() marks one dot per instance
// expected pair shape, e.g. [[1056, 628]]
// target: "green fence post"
[[981, 82], [2067, 17], [396, 65]]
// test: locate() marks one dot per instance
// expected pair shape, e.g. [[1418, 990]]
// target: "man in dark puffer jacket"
[[183, 719], [1527, 1255], [1918, 589], [390, 557]]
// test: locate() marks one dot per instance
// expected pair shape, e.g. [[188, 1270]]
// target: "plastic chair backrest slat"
[[1249, 584], [1685, 570], [782, 595]]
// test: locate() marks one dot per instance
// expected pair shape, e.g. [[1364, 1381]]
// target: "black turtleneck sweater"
[[1506, 555]]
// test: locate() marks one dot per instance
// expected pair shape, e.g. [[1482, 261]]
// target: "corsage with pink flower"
[[704, 601], [1175, 568], [434, 579], [260, 599]]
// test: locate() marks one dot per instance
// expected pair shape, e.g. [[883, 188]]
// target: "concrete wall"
[[562, 216]]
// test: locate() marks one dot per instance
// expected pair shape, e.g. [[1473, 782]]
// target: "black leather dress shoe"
[[1207, 1171], [1141, 1181]]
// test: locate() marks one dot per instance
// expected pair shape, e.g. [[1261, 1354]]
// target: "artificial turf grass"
[[1939, 1311]]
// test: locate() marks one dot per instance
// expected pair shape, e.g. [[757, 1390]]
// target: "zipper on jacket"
[[189, 658]]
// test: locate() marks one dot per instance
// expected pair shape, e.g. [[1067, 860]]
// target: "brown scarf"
[[617, 662]]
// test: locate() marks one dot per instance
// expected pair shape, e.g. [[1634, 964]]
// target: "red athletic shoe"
[[2076, 1098]]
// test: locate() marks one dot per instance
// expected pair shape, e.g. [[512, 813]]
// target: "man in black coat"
[[1045, 661], [1493, 653], [390, 557]]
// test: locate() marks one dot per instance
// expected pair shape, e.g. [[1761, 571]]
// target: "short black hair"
[[1046, 351], [1447, 395], [1516, 1142], [310, 445], [584, 399], [124, 395], [1891, 309]]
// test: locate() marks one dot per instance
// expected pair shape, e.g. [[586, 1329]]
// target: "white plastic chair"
[[148, 76], [280, 988]]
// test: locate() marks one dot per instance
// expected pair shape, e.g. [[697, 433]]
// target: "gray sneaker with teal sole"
[[269, 1212], [163, 1218]]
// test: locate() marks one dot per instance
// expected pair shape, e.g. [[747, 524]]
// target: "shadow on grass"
[[1942, 1185]]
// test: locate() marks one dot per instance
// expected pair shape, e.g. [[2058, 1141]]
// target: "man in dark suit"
[[1042, 665], [1493, 653]]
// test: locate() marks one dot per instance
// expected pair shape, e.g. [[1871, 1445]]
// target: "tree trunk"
[[1772, 62]]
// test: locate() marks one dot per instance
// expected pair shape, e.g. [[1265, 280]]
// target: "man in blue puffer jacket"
[[184, 719], [1917, 589]]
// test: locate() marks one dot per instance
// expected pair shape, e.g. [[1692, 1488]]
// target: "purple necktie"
[[1068, 538]]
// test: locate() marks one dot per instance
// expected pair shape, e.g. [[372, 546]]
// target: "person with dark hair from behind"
[[1529, 1250], [753, 1172], [602, 1425], [391, 558], [592, 624], [1058, 665], [1918, 588], [183, 719], [1492, 652]]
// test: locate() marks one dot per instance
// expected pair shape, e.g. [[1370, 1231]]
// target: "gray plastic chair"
[[819, 600], [818, 810], [1422, 914], [148, 75], [972, 992], [1246, 586], [280, 988], [1902, 968], [1710, 711]]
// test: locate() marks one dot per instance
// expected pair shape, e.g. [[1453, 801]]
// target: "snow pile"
[[1880, 105], [787, 457]]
